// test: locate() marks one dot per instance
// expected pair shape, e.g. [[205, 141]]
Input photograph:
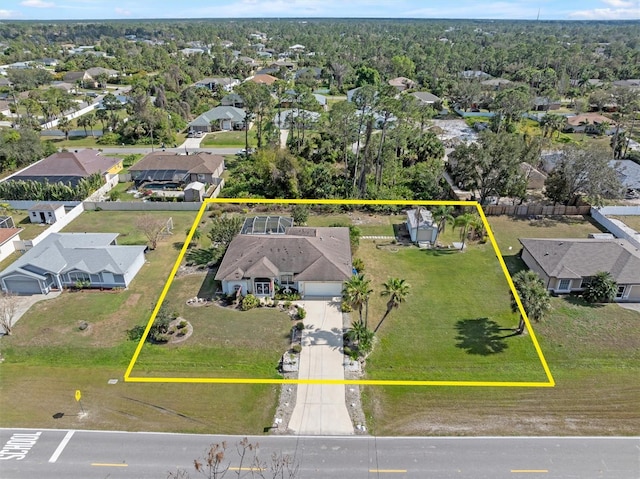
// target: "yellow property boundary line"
[[206, 203]]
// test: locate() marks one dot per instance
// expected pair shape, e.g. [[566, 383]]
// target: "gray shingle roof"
[[82, 163], [578, 258], [311, 254], [88, 252], [219, 113]]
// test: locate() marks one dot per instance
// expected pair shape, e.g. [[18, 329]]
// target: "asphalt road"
[[53, 454], [144, 151]]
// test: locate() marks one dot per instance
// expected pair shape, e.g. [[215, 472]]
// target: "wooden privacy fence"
[[535, 210]]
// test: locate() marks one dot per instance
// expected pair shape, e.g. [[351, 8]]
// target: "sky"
[[479, 9]]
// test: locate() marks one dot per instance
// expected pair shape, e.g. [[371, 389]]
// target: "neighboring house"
[[95, 71], [535, 178], [65, 86], [263, 79], [314, 261], [62, 259], [541, 103], [46, 213], [421, 226], [5, 82], [70, 167], [427, 98], [227, 84], [7, 238], [247, 61], [284, 118], [474, 75], [48, 62], [633, 83], [219, 118], [352, 92], [187, 52], [588, 123], [593, 82], [232, 99], [495, 83], [170, 167], [567, 265], [315, 72], [83, 78], [628, 173], [402, 83]]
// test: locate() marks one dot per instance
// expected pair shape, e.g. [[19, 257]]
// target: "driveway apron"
[[320, 408]]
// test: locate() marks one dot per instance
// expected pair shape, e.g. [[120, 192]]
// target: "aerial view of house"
[[64, 259], [163, 167], [69, 167], [313, 261], [566, 265]]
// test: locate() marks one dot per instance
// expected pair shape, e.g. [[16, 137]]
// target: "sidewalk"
[[320, 408]]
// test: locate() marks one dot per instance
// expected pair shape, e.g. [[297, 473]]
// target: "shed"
[[194, 191], [422, 226], [47, 213]]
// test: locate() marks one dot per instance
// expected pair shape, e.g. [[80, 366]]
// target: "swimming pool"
[[161, 186]]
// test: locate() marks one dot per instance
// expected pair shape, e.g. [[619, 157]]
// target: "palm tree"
[[361, 336], [464, 221], [90, 119], [533, 295], [65, 126], [397, 290], [442, 215], [356, 294], [82, 121]]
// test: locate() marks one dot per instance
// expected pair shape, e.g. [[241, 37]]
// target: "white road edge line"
[[61, 446]]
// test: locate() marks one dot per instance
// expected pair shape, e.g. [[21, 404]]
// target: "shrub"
[[249, 302], [300, 326], [300, 214], [296, 348], [135, 333], [109, 139], [286, 304], [601, 289], [358, 265], [345, 307], [347, 351], [182, 324], [301, 313]]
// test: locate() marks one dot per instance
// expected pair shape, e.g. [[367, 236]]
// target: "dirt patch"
[[132, 300]]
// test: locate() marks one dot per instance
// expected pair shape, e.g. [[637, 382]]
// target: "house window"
[[564, 285], [586, 281], [262, 286], [621, 291], [79, 276], [201, 177], [286, 279]]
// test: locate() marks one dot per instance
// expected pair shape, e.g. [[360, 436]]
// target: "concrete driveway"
[[25, 302], [320, 408], [631, 306]]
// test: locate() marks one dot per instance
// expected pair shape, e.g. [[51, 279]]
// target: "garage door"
[[319, 289], [23, 285]]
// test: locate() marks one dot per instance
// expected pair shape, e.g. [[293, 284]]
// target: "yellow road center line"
[[390, 471], [102, 464], [542, 471]]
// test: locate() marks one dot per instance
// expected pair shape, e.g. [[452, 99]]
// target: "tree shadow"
[[177, 245], [208, 285], [579, 301], [480, 336], [440, 251]]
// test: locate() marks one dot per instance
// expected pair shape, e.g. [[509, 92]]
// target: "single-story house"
[[263, 79], [161, 166], [427, 98], [232, 99], [314, 72], [314, 261], [283, 119], [95, 71], [633, 83], [589, 123], [402, 83], [70, 167], [65, 86], [541, 103], [567, 265], [628, 172], [474, 75], [421, 226], [7, 238], [227, 84], [47, 213], [63, 259], [495, 83], [219, 118]]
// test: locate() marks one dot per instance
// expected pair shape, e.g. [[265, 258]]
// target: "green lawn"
[[456, 324], [593, 354], [229, 139], [630, 221]]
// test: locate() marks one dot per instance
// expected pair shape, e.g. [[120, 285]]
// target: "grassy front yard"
[[48, 357], [229, 139], [593, 353]]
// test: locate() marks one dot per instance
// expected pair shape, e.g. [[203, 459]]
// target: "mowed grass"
[[592, 351], [229, 139], [456, 324], [225, 342], [48, 357], [630, 221]]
